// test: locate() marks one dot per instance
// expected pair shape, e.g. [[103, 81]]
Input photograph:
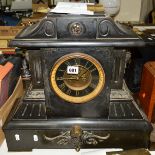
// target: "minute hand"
[[83, 73]]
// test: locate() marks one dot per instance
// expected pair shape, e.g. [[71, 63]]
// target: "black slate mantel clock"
[[78, 98]]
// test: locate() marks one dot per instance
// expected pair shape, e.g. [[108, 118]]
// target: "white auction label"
[[72, 70]]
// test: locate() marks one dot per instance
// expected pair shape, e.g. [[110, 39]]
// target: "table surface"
[[3, 151]]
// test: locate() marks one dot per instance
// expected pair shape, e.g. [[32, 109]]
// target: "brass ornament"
[[76, 137]]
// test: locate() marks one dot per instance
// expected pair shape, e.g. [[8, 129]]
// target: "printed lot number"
[[72, 70]]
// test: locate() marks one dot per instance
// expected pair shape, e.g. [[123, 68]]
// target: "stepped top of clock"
[[63, 30]]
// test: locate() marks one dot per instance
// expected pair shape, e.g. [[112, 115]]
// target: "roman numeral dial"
[[77, 78]]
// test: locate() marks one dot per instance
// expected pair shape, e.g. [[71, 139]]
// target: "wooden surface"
[[9, 32], [5, 72], [152, 137], [3, 43], [6, 34], [4, 151], [30, 20], [5, 109], [147, 89]]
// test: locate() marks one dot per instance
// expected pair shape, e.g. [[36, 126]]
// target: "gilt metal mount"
[[76, 136]]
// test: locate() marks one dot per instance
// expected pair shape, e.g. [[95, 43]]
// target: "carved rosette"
[[77, 137]]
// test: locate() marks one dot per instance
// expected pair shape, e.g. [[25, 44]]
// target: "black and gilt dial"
[[77, 77]]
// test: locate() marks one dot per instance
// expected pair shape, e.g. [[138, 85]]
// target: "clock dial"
[[77, 77]]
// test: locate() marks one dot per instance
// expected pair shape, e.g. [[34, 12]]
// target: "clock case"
[[40, 119]]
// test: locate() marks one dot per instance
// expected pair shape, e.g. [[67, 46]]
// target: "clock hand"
[[67, 78], [82, 74], [70, 78]]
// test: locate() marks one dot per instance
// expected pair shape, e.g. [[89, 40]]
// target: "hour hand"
[[67, 78]]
